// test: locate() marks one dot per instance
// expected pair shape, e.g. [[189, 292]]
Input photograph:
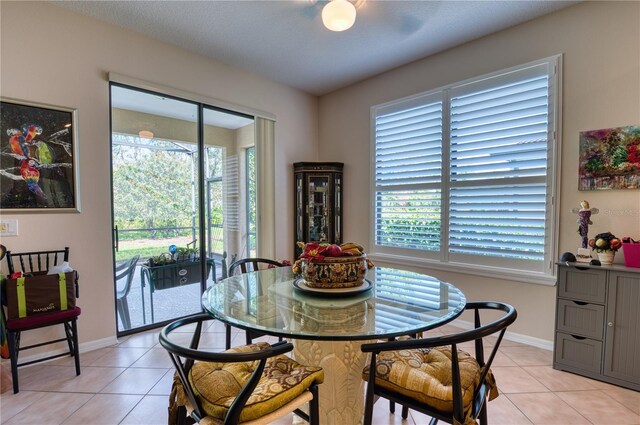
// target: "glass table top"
[[392, 302]]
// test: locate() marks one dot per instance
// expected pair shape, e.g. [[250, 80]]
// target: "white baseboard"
[[512, 336], [98, 343], [83, 348]]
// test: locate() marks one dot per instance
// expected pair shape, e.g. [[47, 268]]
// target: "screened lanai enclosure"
[[184, 202]]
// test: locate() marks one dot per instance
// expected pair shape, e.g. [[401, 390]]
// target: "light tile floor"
[[129, 383]]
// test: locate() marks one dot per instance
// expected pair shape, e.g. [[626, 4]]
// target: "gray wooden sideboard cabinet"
[[598, 323]]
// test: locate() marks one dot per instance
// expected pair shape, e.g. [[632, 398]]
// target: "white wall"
[[600, 42], [51, 55]]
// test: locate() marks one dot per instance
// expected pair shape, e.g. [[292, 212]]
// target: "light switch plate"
[[8, 227]]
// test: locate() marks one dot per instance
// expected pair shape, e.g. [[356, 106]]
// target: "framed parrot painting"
[[38, 158]]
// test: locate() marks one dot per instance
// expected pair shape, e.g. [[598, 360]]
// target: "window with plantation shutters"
[[408, 176], [499, 141], [464, 174]]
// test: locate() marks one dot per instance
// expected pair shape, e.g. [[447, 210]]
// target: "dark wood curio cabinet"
[[318, 202]]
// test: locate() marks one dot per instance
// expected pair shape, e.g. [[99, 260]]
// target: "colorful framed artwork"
[[38, 158], [610, 159]]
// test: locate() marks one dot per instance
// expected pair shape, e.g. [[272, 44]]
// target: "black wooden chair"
[[246, 265], [40, 262], [254, 383], [447, 387], [125, 271]]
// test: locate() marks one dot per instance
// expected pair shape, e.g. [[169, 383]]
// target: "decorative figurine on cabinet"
[[584, 220]]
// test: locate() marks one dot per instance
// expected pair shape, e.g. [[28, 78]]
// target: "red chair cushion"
[[43, 319]]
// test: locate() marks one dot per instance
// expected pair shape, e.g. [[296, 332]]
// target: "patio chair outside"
[[125, 271]]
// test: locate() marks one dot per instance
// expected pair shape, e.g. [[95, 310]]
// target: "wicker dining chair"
[[246, 265], [423, 374], [252, 384]]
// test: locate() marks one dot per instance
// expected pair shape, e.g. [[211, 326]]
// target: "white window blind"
[[497, 220], [498, 165], [230, 179], [464, 174], [408, 163]]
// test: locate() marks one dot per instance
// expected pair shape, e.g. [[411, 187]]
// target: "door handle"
[[116, 237]]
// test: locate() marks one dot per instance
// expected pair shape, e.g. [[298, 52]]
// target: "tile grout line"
[[79, 407], [555, 395], [537, 380], [132, 409], [518, 408], [603, 392]]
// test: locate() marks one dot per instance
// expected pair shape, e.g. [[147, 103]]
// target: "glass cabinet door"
[[300, 208], [337, 210], [319, 210]]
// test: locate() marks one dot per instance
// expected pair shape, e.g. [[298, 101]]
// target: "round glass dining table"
[[327, 327]]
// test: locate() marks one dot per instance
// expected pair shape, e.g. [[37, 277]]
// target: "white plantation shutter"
[[231, 191], [466, 173], [499, 139], [500, 221], [500, 132], [409, 145], [408, 163]]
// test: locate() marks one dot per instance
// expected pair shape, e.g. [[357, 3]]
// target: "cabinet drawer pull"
[[578, 337], [610, 324], [580, 302]]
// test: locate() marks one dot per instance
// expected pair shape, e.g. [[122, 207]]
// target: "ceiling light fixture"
[[145, 134], [339, 15]]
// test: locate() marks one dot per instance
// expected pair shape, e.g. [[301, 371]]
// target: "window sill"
[[476, 270]]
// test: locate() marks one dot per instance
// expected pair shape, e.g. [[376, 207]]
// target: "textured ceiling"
[[285, 41]]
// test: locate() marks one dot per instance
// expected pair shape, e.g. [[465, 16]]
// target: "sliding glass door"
[[179, 202]]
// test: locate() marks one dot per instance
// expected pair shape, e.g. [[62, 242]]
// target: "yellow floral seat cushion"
[[425, 375], [218, 384]]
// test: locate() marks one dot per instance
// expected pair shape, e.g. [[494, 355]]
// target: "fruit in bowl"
[[332, 266], [605, 242], [333, 250]]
